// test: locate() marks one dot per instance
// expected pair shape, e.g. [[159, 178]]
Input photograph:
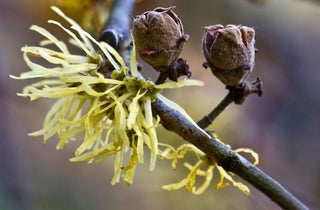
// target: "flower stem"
[[161, 78], [208, 119], [236, 95]]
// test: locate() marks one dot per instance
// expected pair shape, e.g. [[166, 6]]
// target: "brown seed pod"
[[159, 37], [229, 52]]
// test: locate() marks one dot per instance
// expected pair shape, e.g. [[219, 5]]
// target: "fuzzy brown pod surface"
[[229, 52], [159, 37]]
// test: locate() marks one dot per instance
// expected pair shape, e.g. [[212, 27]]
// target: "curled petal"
[[251, 152], [206, 183], [225, 175]]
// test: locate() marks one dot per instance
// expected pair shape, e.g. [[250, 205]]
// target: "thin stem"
[[161, 78], [116, 31], [237, 95], [208, 119]]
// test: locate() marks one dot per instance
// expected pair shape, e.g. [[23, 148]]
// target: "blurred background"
[[282, 126]]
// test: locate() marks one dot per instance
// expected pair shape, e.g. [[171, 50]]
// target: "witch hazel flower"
[[204, 167], [114, 113]]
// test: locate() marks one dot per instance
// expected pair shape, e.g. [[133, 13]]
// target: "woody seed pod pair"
[[229, 50]]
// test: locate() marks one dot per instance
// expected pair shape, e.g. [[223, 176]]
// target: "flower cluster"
[[112, 111], [205, 162]]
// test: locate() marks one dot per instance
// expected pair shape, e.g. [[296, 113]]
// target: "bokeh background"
[[282, 126]]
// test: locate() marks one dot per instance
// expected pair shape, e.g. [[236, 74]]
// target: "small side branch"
[[236, 95], [208, 119]]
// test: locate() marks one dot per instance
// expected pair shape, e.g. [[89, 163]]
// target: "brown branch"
[[225, 157], [176, 122], [116, 31]]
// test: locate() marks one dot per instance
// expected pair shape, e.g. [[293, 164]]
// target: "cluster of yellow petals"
[[114, 114], [209, 165]]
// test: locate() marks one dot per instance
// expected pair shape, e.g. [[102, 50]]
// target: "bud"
[[229, 52], [159, 37]]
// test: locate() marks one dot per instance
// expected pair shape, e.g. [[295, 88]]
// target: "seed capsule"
[[159, 37], [229, 52]]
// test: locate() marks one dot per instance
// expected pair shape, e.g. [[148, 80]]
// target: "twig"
[[236, 95], [161, 78], [208, 119], [116, 31], [176, 122]]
